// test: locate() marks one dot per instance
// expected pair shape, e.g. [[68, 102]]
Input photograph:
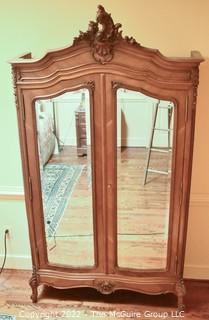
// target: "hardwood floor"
[[142, 212], [142, 209], [15, 296], [74, 235]]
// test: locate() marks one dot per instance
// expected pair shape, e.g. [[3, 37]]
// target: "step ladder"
[[169, 108]]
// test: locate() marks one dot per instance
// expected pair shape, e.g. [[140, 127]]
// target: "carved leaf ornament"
[[102, 35]]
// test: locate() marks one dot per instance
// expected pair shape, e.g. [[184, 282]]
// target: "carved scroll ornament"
[[102, 36]]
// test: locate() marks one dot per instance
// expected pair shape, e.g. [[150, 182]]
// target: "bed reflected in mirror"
[[144, 152], [64, 145]]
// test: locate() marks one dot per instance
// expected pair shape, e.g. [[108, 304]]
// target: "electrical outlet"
[[5, 229]]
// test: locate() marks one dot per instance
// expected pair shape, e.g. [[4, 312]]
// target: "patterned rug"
[[58, 182], [7, 317]]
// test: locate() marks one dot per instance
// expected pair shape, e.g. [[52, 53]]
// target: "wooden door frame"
[[176, 190]]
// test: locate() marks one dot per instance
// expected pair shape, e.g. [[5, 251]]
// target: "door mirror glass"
[[64, 144], [144, 153]]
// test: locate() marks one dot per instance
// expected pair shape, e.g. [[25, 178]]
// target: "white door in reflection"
[[144, 152], [64, 144]]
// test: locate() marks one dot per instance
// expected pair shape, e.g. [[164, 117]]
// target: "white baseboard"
[[139, 142], [10, 193], [17, 262], [68, 141], [11, 190], [196, 199], [132, 142], [199, 272], [199, 199]]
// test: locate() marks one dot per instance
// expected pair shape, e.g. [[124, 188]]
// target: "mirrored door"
[[65, 162], [144, 167]]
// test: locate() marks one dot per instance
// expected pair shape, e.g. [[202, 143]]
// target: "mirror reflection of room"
[[64, 144], [144, 151]]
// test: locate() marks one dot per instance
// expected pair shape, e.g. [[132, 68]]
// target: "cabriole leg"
[[180, 291], [34, 285]]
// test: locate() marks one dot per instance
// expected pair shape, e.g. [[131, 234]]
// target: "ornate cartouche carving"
[[104, 286], [102, 36]]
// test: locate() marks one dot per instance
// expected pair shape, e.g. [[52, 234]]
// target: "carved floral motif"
[[91, 84], [180, 288], [104, 286], [180, 291], [115, 84], [102, 36]]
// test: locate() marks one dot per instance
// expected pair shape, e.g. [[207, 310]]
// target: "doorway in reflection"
[[144, 152], [64, 144]]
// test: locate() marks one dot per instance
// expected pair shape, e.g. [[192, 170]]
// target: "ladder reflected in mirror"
[[154, 129]]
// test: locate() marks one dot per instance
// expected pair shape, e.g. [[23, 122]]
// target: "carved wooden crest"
[[102, 36]]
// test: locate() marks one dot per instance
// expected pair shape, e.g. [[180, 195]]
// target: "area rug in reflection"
[[58, 182]]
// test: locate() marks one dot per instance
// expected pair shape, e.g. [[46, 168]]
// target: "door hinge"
[[30, 188]]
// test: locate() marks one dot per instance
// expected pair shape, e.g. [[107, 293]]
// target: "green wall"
[[34, 26]]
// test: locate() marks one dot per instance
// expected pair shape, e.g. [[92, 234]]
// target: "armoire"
[[114, 231]]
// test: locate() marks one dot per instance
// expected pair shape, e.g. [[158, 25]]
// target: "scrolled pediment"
[[103, 48], [102, 35]]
